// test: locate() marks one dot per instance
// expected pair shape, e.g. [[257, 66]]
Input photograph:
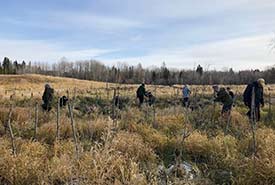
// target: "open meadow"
[[94, 141]]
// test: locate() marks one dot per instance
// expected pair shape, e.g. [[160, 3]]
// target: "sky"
[[218, 34]]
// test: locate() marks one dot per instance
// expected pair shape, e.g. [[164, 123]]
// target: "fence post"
[[96, 94], [229, 115], [214, 108], [58, 119], [228, 122], [35, 121], [269, 108], [73, 128], [113, 107], [155, 124], [117, 108], [11, 132], [108, 93], [253, 117]]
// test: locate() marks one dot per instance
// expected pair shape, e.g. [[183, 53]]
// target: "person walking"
[[225, 99], [141, 92], [230, 92], [47, 98], [253, 98], [186, 95]]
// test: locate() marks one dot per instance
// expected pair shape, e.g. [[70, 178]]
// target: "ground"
[[129, 145]]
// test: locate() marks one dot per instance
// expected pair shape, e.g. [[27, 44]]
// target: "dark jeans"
[[186, 102], [226, 108], [47, 106], [257, 113], [141, 100]]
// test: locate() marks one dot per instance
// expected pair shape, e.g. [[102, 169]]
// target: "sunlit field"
[[100, 143]]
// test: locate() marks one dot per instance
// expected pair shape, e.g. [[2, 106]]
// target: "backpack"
[[247, 94]]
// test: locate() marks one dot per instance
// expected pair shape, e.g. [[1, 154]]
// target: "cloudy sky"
[[215, 33]]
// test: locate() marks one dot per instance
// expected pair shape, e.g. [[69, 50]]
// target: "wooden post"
[[185, 135], [269, 107], [74, 97], [68, 94], [229, 115], [73, 128], [58, 119], [214, 108], [253, 123], [117, 108], [96, 96], [228, 122], [108, 93], [175, 99], [35, 121], [155, 124], [11, 132], [113, 107]]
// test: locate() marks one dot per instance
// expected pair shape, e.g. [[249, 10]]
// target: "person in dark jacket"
[[230, 92], [151, 98], [47, 98], [226, 100], [254, 91], [141, 92], [63, 101]]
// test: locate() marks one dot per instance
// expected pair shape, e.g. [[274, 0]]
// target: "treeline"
[[9, 67], [124, 73]]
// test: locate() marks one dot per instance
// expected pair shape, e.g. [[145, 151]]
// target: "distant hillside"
[[30, 81]]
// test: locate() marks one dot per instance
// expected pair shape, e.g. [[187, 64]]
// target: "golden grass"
[[24, 86], [130, 152]]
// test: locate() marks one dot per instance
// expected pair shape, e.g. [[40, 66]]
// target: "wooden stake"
[[269, 107], [253, 123], [117, 108], [113, 107], [73, 129], [11, 132], [35, 121], [58, 119], [155, 124]]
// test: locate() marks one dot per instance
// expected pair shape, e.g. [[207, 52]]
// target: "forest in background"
[[130, 74]]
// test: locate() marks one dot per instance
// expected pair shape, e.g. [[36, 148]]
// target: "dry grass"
[[23, 86], [129, 152]]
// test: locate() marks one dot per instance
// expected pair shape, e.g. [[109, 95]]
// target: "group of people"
[[141, 93], [48, 97], [252, 97]]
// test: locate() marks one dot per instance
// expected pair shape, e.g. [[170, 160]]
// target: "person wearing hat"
[[256, 90], [47, 98]]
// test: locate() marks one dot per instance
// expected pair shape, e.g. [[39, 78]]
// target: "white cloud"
[[73, 20], [187, 8], [240, 53], [90, 21], [42, 51]]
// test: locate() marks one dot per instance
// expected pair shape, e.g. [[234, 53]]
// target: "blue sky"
[[218, 34]]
